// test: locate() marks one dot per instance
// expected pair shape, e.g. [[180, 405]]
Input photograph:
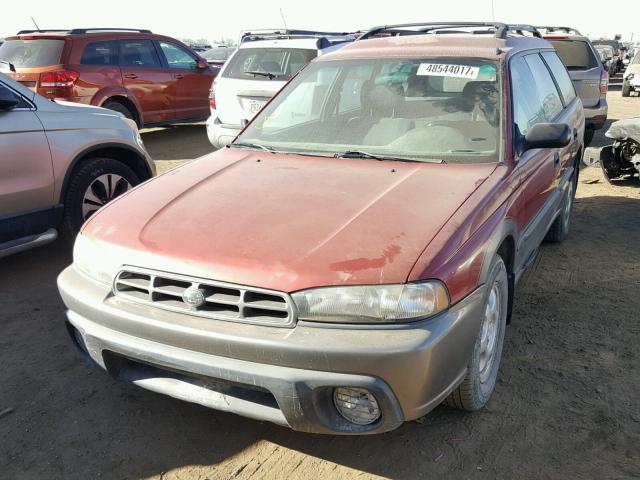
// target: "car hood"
[[285, 222]]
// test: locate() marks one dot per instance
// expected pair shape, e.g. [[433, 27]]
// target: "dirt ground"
[[566, 405]]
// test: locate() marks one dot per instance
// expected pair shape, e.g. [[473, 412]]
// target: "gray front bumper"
[[285, 376]]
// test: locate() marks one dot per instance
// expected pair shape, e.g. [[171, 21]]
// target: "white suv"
[[258, 69]]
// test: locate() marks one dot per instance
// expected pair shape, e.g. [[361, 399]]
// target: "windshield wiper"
[[254, 146], [263, 74], [12, 67], [393, 158]]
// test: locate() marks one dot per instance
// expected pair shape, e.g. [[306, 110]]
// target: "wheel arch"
[[127, 102], [119, 152], [503, 242]]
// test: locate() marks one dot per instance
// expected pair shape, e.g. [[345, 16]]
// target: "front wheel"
[[93, 184], [476, 388], [626, 89]]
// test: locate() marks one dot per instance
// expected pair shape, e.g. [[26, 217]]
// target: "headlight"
[[372, 303], [94, 261]]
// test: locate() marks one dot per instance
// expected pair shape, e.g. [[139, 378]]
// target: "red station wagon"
[[348, 263], [149, 78]]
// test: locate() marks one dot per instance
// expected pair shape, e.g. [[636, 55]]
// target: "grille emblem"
[[194, 297]]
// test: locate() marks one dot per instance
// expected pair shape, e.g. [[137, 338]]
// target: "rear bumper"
[[282, 375], [596, 116], [221, 134]]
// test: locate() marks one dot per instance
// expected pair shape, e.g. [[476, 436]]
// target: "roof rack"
[[568, 30], [499, 30], [79, 31], [280, 33], [48, 30]]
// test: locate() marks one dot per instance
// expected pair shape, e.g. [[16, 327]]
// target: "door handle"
[[556, 158], [130, 75], [179, 76]]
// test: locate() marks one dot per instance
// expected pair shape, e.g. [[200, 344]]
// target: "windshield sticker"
[[447, 70]]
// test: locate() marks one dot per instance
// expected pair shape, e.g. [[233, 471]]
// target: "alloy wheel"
[[101, 191]]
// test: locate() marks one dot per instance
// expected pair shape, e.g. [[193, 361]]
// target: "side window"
[[561, 75], [177, 57], [352, 86], [6, 92], [535, 97], [100, 53], [138, 53], [547, 91]]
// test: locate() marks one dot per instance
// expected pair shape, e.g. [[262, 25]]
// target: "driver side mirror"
[[547, 135], [8, 99], [202, 64]]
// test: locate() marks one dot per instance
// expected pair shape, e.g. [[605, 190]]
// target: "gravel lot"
[[566, 405]]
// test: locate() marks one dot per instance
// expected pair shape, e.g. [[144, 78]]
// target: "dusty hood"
[[623, 129], [286, 222]]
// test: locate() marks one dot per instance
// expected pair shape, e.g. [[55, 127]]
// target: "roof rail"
[[48, 30], [568, 30], [282, 33], [78, 31], [499, 30]]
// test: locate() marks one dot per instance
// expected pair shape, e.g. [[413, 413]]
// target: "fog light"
[[357, 405]]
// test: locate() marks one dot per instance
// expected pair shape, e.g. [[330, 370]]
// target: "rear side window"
[[535, 96], [562, 77], [575, 54], [32, 53], [177, 57], [100, 53], [138, 53], [268, 63]]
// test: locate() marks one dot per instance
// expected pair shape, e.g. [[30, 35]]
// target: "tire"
[[100, 175], [120, 108], [560, 228], [626, 89], [476, 388], [588, 136]]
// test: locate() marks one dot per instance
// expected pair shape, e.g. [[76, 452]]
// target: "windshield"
[[268, 63], [31, 53], [219, 54], [422, 109]]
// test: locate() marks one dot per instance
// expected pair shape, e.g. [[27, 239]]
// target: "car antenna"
[[34, 22], [283, 20]]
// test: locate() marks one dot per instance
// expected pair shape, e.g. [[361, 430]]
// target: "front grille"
[[218, 300]]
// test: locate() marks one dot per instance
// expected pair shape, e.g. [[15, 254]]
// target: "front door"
[[26, 171], [192, 84]]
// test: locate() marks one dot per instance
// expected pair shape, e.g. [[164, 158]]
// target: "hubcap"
[[489, 332], [101, 191], [566, 215]]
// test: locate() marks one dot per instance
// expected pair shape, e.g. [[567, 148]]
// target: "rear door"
[[192, 84], [26, 171], [252, 76], [146, 78], [583, 66]]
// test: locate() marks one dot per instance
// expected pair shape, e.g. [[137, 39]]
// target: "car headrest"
[[381, 99]]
